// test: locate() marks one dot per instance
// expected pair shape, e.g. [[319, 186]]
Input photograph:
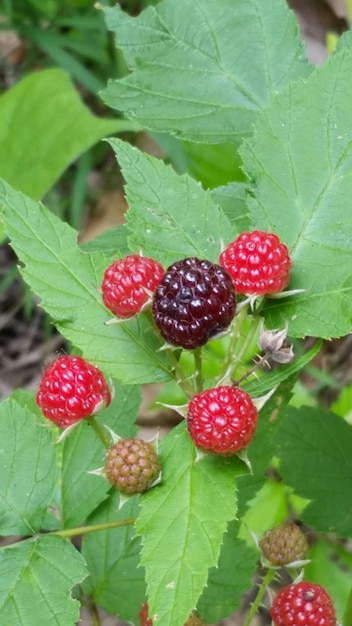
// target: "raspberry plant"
[[184, 544]]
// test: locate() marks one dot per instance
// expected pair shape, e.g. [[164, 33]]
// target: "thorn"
[[181, 409], [285, 294], [113, 436], [243, 456]]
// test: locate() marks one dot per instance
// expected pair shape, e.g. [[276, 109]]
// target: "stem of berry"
[[268, 578], [255, 321], [197, 353], [84, 530], [236, 333], [103, 436], [179, 375], [347, 616]]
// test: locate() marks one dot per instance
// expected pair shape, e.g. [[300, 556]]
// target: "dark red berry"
[[222, 420], [132, 466], [194, 301], [72, 389], [303, 604], [126, 284], [258, 263]]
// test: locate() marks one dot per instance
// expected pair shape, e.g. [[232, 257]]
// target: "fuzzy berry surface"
[[194, 301], [222, 420], [258, 263], [126, 284], [303, 604], [72, 389], [132, 466], [284, 544]]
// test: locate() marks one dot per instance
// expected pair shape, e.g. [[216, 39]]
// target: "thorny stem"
[[103, 436], [268, 578], [261, 360], [84, 530], [197, 353], [347, 616]]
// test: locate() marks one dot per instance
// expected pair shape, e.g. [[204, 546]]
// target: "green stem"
[[179, 375], [255, 321], [347, 616], [268, 578], [84, 530], [197, 353], [100, 432], [234, 337]]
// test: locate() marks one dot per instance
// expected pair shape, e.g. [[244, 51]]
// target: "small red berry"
[[222, 420], [303, 604], [194, 301], [258, 263], [72, 389], [126, 284]]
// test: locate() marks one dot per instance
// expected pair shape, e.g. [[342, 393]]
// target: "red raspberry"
[[125, 283], [303, 604], [72, 389], [132, 465], [258, 263], [222, 419], [194, 301]]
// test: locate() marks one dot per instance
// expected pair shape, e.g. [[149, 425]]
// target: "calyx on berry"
[[275, 346], [128, 283], [258, 263], [222, 420], [194, 301], [72, 389], [303, 604]]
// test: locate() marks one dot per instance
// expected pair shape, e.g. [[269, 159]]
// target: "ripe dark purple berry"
[[194, 301]]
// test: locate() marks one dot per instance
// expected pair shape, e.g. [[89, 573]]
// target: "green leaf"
[[233, 201], [262, 448], [116, 582], [230, 579], [68, 282], [171, 216], [182, 523], [200, 77], [83, 452], [322, 442], [300, 159], [37, 578], [328, 570], [27, 466], [113, 243], [33, 155], [212, 165]]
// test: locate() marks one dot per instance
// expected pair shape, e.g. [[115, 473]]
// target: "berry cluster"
[[72, 389], [222, 420], [132, 466], [194, 301], [258, 263], [284, 544]]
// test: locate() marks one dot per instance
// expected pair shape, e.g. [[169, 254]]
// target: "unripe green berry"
[[132, 466], [284, 544]]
